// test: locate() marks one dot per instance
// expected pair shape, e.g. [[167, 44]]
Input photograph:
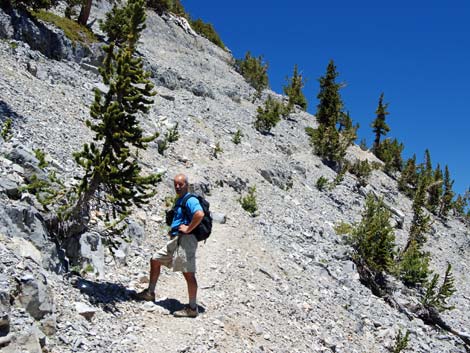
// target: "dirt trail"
[[233, 269]]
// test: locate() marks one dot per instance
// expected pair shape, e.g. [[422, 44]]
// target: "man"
[[180, 252]]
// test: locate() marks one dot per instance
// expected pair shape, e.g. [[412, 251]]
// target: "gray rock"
[[9, 187], [202, 90], [92, 251], [35, 297], [85, 310], [24, 341], [218, 217], [32, 68], [280, 178], [4, 305], [135, 232], [6, 27], [26, 222]]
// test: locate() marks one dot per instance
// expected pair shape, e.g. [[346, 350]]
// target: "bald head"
[[180, 183]]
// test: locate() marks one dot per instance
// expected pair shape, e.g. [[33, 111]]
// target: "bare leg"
[[192, 286], [155, 266]]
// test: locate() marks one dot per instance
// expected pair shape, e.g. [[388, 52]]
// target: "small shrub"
[[268, 116], [172, 135], [362, 170], [207, 30], [249, 201], [7, 130], [41, 156], [401, 342], [322, 183], [343, 228], [345, 166], [237, 137], [217, 150], [254, 70]]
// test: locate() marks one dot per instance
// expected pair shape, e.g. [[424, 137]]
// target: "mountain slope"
[[279, 282]]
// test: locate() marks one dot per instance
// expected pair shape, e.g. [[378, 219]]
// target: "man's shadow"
[[107, 294]]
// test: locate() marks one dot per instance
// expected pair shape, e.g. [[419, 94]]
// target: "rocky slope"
[[278, 282]]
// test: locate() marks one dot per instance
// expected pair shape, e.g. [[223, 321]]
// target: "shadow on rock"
[[7, 112], [104, 294]]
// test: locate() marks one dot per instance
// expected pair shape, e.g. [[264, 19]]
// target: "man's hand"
[[197, 218], [183, 228]]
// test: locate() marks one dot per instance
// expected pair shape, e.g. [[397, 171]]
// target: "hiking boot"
[[145, 295], [186, 312]]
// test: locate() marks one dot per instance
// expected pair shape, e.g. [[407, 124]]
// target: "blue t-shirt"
[[192, 205]]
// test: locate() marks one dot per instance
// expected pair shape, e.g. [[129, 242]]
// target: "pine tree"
[[421, 222], [389, 151], [294, 90], [427, 167], [110, 167], [373, 239], [380, 128], [435, 190], [446, 202], [330, 107], [409, 177], [329, 143], [414, 265]]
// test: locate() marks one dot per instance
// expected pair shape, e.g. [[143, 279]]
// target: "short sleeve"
[[194, 205]]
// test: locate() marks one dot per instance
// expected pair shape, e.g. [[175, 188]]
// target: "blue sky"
[[416, 52]]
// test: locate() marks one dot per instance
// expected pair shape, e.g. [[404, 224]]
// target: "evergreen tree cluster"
[[255, 72], [208, 31], [439, 195], [373, 241]]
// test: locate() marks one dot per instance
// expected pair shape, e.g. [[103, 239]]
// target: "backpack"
[[203, 230]]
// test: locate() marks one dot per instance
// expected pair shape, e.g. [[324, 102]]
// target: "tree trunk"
[[84, 13]]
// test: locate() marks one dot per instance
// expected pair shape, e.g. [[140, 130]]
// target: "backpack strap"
[[184, 203]]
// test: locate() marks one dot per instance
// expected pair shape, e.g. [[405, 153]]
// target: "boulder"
[[86, 251], [218, 217], [280, 178], [35, 297], [85, 310], [24, 221], [4, 305]]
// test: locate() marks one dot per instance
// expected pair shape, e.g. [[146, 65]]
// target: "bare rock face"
[[35, 296]]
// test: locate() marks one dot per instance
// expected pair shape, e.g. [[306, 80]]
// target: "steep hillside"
[[278, 282]]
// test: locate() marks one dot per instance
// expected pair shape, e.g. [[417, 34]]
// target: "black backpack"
[[203, 230]]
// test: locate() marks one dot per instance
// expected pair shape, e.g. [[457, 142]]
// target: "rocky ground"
[[278, 282]]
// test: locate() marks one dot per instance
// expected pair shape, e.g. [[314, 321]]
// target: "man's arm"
[[197, 218]]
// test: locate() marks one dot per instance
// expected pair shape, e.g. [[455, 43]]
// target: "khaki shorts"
[[179, 255]]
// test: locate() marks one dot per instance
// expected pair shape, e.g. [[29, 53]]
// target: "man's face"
[[180, 186]]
